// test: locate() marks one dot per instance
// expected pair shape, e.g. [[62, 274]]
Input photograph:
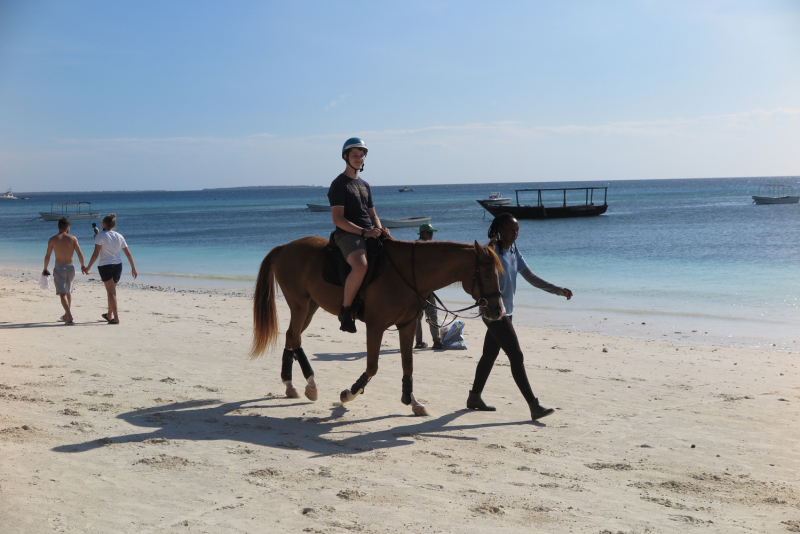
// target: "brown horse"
[[396, 297]]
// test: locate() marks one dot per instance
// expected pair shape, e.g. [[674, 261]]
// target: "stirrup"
[[347, 324]]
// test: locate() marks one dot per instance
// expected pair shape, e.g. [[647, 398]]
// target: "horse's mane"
[[454, 245]]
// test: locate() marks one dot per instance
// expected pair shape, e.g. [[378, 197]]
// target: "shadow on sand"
[[209, 419]]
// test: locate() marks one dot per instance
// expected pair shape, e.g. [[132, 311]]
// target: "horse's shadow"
[[348, 356], [204, 420]]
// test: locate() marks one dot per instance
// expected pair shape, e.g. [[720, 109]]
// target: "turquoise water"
[[678, 255]]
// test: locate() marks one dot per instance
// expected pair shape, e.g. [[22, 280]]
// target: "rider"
[[354, 216]]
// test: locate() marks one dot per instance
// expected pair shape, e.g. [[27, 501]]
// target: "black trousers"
[[500, 334]]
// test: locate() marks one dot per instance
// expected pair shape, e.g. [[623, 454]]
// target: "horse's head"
[[484, 284]]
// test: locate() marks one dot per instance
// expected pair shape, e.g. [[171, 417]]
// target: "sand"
[[163, 424]]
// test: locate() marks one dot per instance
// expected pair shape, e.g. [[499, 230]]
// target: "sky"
[[199, 94]]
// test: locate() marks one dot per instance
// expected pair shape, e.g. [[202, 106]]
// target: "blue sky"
[[188, 95]]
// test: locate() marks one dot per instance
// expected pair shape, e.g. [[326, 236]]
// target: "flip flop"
[[61, 319], [113, 322], [70, 323], [105, 316]]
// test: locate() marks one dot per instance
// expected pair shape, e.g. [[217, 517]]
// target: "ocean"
[[689, 260]]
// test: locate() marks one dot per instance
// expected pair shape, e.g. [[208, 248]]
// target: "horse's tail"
[[265, 316]]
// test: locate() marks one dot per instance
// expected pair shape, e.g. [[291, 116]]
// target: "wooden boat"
[[554, 211], [776, 194], [318, 207], [82, 210], [404, 223], [496, 199]]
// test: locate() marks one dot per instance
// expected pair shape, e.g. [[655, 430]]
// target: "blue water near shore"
[[677, 255]]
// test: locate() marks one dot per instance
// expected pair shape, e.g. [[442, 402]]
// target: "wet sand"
[[163, 424]]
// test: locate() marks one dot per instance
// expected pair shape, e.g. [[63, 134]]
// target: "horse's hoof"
[[420, 410], [292, 393], [344, 396], [311, 393]]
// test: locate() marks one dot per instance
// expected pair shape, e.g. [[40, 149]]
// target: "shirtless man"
[[65, 246]]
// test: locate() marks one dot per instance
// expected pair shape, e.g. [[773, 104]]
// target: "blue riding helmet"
[[354, 142]]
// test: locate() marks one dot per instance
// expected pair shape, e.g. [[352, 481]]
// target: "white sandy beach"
[[163, 424]]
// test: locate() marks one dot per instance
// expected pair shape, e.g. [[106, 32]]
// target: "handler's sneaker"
[[538, 411], [346, 320]]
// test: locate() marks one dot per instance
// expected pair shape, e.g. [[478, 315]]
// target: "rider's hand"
[[384, 231], [375, 232]]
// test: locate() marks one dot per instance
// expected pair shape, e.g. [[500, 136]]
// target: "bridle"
[[482, 301]]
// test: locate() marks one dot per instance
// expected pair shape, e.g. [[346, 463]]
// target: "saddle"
[[335, 268]]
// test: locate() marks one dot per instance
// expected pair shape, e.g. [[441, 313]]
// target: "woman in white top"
[[107, 245], [500, 334]]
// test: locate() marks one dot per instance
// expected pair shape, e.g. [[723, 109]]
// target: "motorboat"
[[496, 199], [551, 210], [8, 195], [318, 207], [404, 223], [70, 210], [406, 190], [776, 194]]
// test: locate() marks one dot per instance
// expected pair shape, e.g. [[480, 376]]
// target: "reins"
[[482, 301]]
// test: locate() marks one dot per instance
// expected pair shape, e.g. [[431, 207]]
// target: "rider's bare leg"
[[358, 268]]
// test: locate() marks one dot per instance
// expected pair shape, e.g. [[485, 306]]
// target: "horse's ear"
[[478, 249]]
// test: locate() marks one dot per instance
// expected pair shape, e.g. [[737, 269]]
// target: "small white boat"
[[406, 190], [318, 207], [404, 223], [496, 199], [82, 210], [776, 194], [8, 195]]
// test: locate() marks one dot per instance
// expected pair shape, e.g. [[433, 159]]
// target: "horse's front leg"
[[374, 337], [407, 353]]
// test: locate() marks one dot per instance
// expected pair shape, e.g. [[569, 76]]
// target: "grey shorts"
[[349, 243], [63, 275]]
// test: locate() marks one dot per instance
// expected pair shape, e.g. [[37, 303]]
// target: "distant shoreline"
[[490, 185]]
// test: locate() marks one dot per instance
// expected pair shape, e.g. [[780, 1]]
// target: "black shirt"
[[354, 194]]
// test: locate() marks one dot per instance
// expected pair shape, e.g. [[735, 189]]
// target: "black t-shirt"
[[355, 196]]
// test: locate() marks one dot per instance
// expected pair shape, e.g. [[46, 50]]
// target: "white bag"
[[453, 336], [44, 281]]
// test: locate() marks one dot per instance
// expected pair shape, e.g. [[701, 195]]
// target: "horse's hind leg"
[[407, 354], [302, 312], [300, 356]]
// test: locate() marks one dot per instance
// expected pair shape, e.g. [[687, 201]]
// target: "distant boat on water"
[[551, 211], [318, 207], [70, 210], [404, 223], [496, 199], [8, 195], [776, 194], [406, 190]]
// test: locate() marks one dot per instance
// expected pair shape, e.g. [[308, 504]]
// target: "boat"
[[404, 223], [8, 195], [318, 207], [81, 210], [554, 211], [496, 199], [406, 190], [776, 194]]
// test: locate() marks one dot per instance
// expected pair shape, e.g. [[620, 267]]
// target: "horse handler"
[[501, 334], [354, 216]]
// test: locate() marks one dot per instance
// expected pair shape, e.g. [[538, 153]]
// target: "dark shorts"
[[107, 272], [349, 243]]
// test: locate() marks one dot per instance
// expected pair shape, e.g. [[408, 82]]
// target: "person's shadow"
[[209, 419]]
